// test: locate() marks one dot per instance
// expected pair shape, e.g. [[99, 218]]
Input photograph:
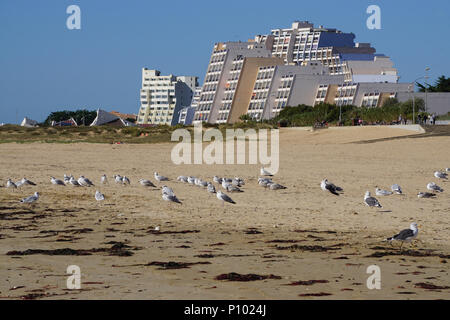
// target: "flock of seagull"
[[234, 185]]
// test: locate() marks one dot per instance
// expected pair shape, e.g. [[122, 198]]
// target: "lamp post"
[[426, 91], [411, 88], [413, 97]]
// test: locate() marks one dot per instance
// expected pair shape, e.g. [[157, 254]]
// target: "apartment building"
[[222, 77], [278, 86], [362, 94], [163, 96], [333, 48]]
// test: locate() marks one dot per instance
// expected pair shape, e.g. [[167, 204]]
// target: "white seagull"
[[170, 197], [57, 182], [325, 185], [117, 178], [441, 175], [10, 184], [371, 201], [146, 183], [225, 198], [211, 188], [31, 199], [264, 172], [167, 190], [276, 186], [191, 180], [396, 189], [160, 178], [99, 196], [182, 179], [434, 187], [380, 192], [103, 179], [85, 182], [426, 195], [406, 235], [218, 180], [74, 182], [25, 181], [125, 180], [66, 178]]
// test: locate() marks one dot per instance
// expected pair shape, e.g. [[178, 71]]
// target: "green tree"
[[442, 84], [80, 116]]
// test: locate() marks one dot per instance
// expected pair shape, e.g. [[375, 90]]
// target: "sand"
[[343, 230]]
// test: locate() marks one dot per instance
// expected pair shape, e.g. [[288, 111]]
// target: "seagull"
[[238, 182], [264, 172], [146, 183], [264, 181], [426, 195], [380, 192], [202, 183], [371, 201], [103, 179], [160, 178], [441, 175], [182, 179], [396, 188], [191, 180], [225, 184], [85, 181], [10, 184], [218, 180], [211, 188], [25, 181], [99, 196], [434, 187], [231, 188], [406, 235], [225, 198], [117, 178], [31, 199], [57, 182], [447, 169], [325, 185], [125, 180], [74, 182], [167, 190], [276, 186], [170, 197], [157, 228], [66, 178]]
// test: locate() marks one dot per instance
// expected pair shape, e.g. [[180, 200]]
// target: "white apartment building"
[[162, 97], [222, 77]]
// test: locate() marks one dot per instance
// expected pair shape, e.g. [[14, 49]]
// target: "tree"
[[80, 116], [442, 84]]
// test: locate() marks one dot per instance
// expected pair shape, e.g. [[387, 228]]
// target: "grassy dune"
[[100, 134]]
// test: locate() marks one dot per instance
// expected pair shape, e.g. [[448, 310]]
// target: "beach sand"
[[297, 234]]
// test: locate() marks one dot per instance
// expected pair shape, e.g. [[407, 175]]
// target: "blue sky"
[[45, 67]]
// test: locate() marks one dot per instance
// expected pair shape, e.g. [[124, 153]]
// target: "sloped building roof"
[[105, 118], [26, 122]]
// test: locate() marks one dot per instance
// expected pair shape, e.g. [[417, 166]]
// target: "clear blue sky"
[[45, 67]]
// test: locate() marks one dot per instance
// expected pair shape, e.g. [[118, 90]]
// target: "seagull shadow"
[[385, 211]]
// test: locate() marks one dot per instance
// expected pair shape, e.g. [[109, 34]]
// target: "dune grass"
[[100, 134]]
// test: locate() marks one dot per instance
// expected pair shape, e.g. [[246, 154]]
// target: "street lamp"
[[413, 97], [426, 91]]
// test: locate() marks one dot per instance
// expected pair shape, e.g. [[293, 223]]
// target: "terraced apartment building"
[[288, 67], [162, 97]]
